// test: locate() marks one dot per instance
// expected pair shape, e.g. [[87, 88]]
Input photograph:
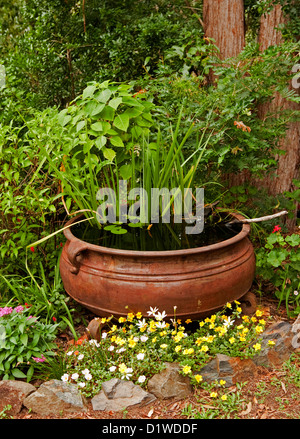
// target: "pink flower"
[[276, 229], [19, 308], [39, 359], [5, 311]]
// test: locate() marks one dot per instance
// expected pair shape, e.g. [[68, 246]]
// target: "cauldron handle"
[[74, 252]]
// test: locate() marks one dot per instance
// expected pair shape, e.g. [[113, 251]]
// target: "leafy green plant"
[[24, 342], [278, 262]]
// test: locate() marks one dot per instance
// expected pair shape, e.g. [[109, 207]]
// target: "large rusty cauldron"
[[198, 281]]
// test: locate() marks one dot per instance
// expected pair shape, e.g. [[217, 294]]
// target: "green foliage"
[[24, 341], [278, 262]]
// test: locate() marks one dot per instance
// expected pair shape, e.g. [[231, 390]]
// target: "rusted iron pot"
[[198, 281]]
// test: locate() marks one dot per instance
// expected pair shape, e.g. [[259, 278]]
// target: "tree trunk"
[[288, 164], [224, 21]]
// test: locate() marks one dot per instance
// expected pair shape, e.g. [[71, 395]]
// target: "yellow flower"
[[154, 339], [239, 309], [201, 324], [242, 338], [237, 303], [122, 368], [164, 346], [259, 329], [178, 348], [103, 320], [188, 351], [198, 341], [228, 305], [131, 343], [122, 320], [231, 340], [188, 321], [211, 326], [240, 327], [262, 321], [213, 395], [257, 346], [224, 397], [139, 315], [113, 338], [222, 382], [246, 319], [130, 317], [204, 348], [198, 378], [271, 343], [179, 321], [253, 319], [259, 313], [113, 328], [186, 369]]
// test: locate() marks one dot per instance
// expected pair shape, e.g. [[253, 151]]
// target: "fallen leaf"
[[283, 386], [248, 409], [150, 413]]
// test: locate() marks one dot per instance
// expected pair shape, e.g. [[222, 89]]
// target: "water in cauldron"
[[160, 237]]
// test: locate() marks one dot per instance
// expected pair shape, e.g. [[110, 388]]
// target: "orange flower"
[[242, 126]]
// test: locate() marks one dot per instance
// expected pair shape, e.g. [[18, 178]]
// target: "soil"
[[272, 394]]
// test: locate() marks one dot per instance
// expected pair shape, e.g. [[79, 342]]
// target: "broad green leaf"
[[122, 122], [103, 96], [114, 103], [98, 108], [117, 141], [293, 240], [108, 113], [88, 91], [17, 373], [109, 154], [277, 256], [80, 125], [100, 141], [24, 339], [125, 171], [97, 126]]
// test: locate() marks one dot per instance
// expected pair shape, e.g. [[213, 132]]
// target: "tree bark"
[[224, 22], [288, 164]]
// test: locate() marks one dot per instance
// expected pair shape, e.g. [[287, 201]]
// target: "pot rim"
[[113, 251]]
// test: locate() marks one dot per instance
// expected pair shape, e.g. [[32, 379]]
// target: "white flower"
[[65, 377], [140, 356], [296, 293], [228, 322], [80, 357], [111, 348], [120, 350], [94, 342], [127, 375], [152, 311], [81, 384], [141, 379], [136, 339], [141, 323], [85, 371], [112, 368], [144, 338], [75, 376], [160, 315], [88, 376], [69, 353], [160, 324], [104, 334]]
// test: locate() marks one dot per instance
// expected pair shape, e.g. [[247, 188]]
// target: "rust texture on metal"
[[197, 281]]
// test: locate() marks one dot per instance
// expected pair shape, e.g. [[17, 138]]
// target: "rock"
[[269, 356], [169, 383], [117, 395], [296, 334], [54, 397], [13, 393], [229, 369]]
